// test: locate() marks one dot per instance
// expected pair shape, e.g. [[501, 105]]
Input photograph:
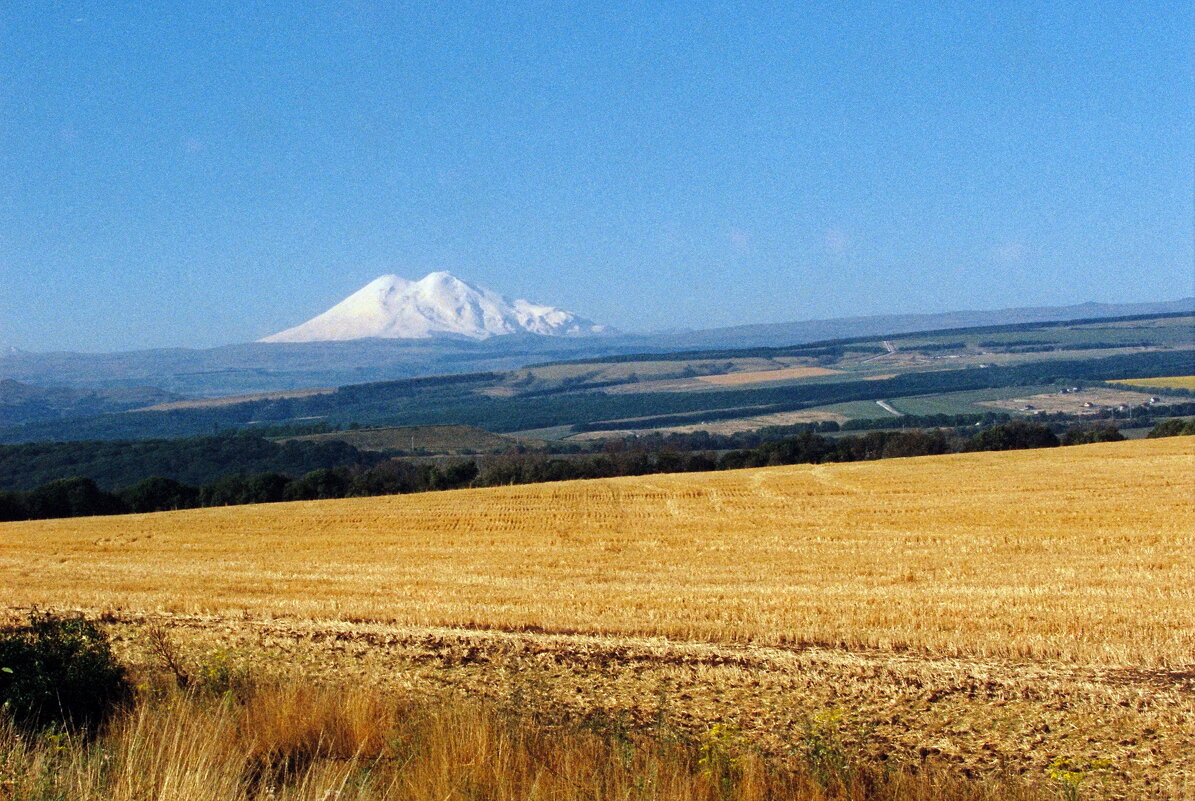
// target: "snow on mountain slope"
[[439, 305]]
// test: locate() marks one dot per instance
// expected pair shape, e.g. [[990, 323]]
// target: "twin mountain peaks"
[[438, 305]]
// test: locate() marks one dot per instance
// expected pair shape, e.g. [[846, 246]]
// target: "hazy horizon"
[[657, 331], [202, 176]]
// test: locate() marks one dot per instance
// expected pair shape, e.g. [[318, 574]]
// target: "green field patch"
[[963, 402]]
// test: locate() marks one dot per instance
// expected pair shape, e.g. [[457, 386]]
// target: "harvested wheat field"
[[761, 376], [1177, 381], [1084, 553], [994, 612]]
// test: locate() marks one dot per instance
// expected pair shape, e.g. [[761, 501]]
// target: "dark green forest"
[[195, 460]]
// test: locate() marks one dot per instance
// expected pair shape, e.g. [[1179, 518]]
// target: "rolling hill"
[[943, 603]]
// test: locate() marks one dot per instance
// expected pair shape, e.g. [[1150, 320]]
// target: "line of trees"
[[1173, 428], [74, 497], [1059, 422], [191, 460], [198, 461], [81, 496]]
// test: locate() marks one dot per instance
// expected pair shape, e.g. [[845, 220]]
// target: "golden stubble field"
[[994, 611], [1084, 553], [1179, 381]]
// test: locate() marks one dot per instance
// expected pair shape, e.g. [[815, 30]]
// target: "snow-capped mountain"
[[439, 305]]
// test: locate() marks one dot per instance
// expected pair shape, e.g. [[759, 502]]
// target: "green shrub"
[[319, 484], [71, 497], [59, 671], [157, 494], [1173, 428], [1013, 436], [12, 507], [1085, 435]]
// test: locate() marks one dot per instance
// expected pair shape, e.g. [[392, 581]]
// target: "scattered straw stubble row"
[[1084, 554]]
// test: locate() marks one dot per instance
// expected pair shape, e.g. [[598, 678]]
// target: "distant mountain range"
[[439, 305], [455, 336], [766, 334]]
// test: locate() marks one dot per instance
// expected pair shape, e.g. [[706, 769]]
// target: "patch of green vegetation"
[[1177, 427], [59, 671], [964, 402], [854, 410]]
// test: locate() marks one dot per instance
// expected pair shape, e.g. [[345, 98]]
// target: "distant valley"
[[555, 388], [281, 366]]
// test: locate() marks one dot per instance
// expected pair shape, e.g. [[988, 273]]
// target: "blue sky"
[[199, 173]]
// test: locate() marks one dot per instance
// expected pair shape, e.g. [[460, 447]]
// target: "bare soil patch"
[[1085, 401]]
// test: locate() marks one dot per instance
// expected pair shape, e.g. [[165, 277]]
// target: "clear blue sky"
[[201, 173]]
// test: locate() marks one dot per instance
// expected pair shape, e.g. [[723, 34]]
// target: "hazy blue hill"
[[746, 336], [24, 403], [260, 367]]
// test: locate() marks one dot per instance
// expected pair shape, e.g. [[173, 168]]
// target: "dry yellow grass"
[[1084, 553], [1176, 381], [232, 400], [301, 743], [731, 426], [761, 376]]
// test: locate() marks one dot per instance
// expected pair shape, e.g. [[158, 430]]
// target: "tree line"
[[1059, 422], [192, 460], [75, 497]]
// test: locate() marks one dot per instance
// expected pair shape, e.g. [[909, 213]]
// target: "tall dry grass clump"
[[317, 744]]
